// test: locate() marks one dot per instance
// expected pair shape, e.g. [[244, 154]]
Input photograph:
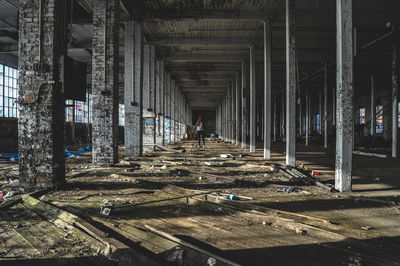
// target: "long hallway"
[[194, 206]]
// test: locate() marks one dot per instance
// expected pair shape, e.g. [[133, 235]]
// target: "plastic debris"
[[288, 189], [107, 251], [10, 194], [366, 227], [301, 231], [314, 173], [226, 156], [232, 197], [14, 159], [69, 155], [13, 183], [211, 261], [105, 211]]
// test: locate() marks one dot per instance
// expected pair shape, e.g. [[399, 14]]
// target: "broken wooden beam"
[[216, 259], [209, 177], [370, 154]]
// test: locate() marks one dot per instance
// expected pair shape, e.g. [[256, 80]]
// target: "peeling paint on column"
[[167, 129], [105, 82], [291, 82], [133, 89], [160, 103], [41, 108], [148, 92], [344, 95]]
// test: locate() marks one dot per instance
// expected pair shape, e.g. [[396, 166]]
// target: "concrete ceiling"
[[203, 42]]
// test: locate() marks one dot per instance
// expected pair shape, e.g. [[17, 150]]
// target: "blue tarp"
[[9, 154]]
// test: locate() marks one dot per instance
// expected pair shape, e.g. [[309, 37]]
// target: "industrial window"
[[398, 114], [78, 111], [121, 115], [317, 125], [8, 91], [361, 116], [379, 119]]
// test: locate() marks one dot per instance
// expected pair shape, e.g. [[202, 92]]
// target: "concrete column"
[[325, 105], [291, 82], [274, 123], [373, 106], [172, 115], [149, 117], [307, 114], [300, 114], [41, 121], [133, 93], [159, 104], [334, 106], [172, 111], [320, 112], [176, 115], [233, 105], [228, 115], [223, 119], [395, 91], [161, 114], [238, 98], [267, 88], [282, 125], [244, 107], [226, 129], [253, 103], [105, 82], [344, 127], [167, 117]]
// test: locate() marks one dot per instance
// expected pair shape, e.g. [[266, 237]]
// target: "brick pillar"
[[160, 102], [167, 116], [148, 99], [41, 98], [172, 111], [105, 82], [133, 89]]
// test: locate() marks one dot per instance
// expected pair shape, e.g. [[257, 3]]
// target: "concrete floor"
[[309, 226]]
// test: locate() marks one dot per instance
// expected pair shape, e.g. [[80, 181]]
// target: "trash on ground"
[[315, 173], [288, 190], [366, 227], [232, 197]]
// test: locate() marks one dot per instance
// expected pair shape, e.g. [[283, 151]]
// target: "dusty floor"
[[149, 203]]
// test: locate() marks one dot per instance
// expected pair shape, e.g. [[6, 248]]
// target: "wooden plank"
[[184, 243], [124, 254]]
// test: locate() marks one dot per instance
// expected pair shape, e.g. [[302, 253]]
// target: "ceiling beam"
[[181, 14], [202, 41], [205, 57]]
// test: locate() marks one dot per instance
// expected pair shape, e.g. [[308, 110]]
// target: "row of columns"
[[155, 109], [344, 97]]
